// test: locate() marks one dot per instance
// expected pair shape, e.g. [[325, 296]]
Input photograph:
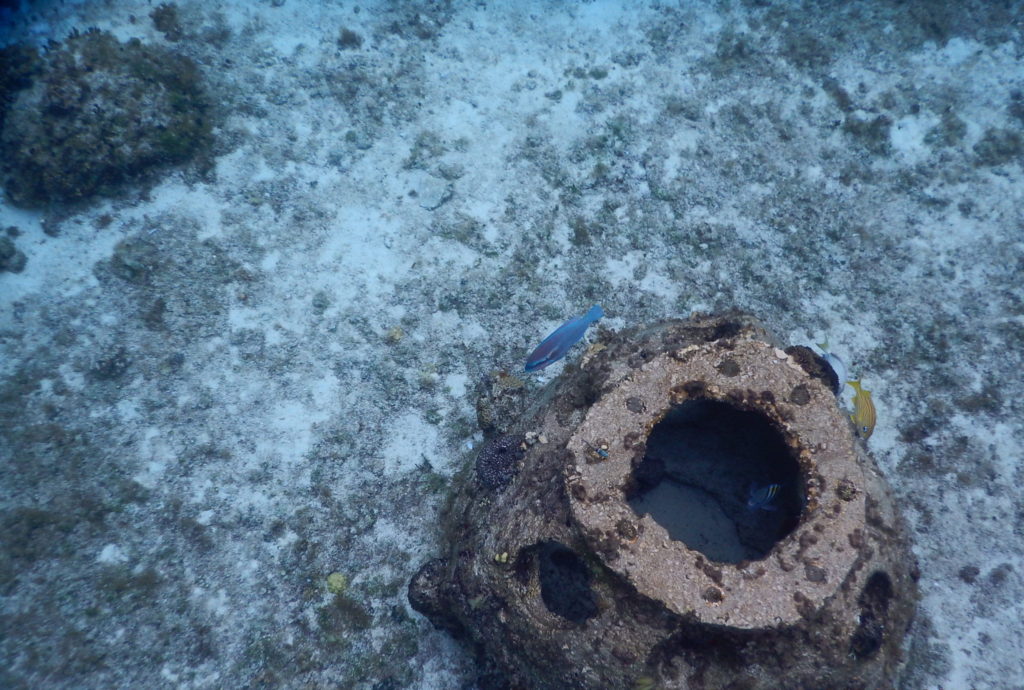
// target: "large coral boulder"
[[91, 113], [615, 535]]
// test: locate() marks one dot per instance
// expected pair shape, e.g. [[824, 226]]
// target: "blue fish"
[[761, 498], [554, 347]]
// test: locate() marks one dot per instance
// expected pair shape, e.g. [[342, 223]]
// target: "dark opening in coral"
[[565, 582], [719, 479], [874, 605]]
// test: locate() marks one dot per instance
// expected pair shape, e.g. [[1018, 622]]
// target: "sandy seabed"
[[220, 387]]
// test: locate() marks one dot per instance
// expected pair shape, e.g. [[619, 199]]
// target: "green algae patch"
[[337, 583]]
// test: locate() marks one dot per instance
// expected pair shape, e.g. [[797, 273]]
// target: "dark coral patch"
[[728, 367], [800, 395], [874, 607], [498, 461], [815, 366], [92, 113]]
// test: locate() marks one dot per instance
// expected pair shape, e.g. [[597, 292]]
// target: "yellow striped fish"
[[863, 410]]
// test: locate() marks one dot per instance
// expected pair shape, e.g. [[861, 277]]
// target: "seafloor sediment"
[[236, 386]]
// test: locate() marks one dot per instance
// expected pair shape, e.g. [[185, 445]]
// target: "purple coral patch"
[[498, 461]]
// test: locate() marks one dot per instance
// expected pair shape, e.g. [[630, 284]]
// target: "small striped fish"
[[863, 411], [761, 498]]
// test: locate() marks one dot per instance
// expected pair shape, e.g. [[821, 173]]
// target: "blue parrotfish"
[[760, 498], [554, 347], [863, 411]]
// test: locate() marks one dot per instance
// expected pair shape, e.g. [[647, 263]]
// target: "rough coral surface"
[[496, 465], [11, 258], [97, 113], [595, 594]]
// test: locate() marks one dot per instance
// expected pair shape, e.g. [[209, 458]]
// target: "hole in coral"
[[874, 605], [565, 582], [719, 479]]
